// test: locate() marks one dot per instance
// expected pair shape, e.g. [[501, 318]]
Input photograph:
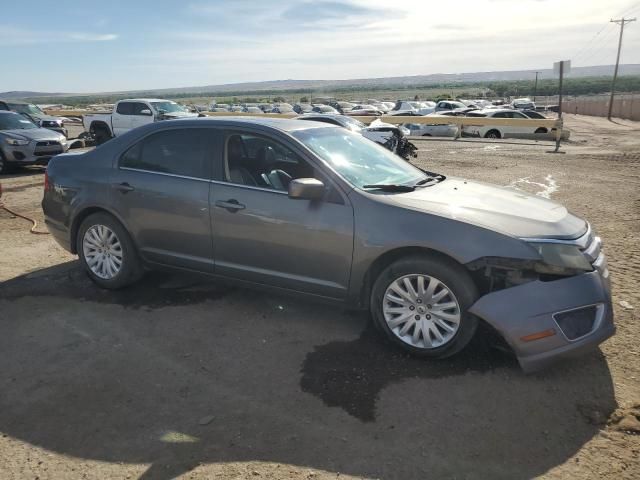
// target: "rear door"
[[161, 191], [263, 236]]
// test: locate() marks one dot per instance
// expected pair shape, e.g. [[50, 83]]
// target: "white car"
[[131, 113], [523, 104], [411, 108], [445, 105], [424, 130], [500, 131]]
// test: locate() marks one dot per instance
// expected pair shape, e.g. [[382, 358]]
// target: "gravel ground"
[[181, 377]]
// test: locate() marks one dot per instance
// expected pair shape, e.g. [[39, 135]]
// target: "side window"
[[136, 108], [125, 108], [518, 115], [3, 106], [176, 151], [500, 115], [258, 161]]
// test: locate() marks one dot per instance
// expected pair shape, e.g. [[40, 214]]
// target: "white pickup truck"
[[129, 114]]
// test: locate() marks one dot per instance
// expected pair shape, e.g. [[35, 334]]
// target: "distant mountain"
[[595, 71], [20, 94]]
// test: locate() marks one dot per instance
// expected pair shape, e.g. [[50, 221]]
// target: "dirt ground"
[[178, 377]]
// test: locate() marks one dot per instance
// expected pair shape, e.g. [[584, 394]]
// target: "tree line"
[[499, 88]]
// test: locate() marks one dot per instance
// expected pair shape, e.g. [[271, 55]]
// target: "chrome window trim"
[[596, 323], [164, 174], [249, 187]]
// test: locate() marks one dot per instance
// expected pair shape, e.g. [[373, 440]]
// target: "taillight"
[[47, 185]]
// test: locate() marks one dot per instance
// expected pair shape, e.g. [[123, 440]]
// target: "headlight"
[[16, 142], [50, 123], [557, 258]]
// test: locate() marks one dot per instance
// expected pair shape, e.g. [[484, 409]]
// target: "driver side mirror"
[[306, 189], [146, 111]]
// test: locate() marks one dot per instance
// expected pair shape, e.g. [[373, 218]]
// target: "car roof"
[[146, 100], [282, 124], [9, 112]]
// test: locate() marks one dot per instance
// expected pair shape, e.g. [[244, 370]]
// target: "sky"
[[115, 45]]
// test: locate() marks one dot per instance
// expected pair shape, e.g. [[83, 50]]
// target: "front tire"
[[420, 303], [107, 252], [493, 134]]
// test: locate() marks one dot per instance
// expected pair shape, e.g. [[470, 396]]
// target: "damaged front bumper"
[[544, 321]]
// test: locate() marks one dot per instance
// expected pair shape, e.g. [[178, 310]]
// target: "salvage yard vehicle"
[[129, 114], [424, 130], [392, 137], [36, 115], [523, 104], [314, 209], [23, 143], [446, 105], [500, 131], [411, 108]]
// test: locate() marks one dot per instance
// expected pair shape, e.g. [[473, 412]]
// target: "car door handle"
[[231, 205], [123, 187]]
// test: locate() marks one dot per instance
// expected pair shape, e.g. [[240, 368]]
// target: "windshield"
[[26, 108], [168, 107], [359, 160], [15, 122], [353, 124]]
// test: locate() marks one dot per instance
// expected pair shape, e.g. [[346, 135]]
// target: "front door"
[[263, 236], [161, 191]]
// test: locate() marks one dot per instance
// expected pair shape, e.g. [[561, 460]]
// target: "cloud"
[[12, 37], [92, 37], [334, 14]]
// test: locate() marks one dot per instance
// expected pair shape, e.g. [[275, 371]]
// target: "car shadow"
[[18, 172], [177, 371]]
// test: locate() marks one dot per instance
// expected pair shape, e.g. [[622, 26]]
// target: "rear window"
[[125, 108], [475, 114], [177, 152]]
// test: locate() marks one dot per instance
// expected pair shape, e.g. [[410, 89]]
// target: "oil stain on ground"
[[350, 375], [155, 290]]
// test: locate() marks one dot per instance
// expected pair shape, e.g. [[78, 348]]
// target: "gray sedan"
[[313, 209], [23, 143]]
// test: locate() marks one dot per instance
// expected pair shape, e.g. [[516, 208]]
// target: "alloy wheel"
[[421, 311], [102, 251]]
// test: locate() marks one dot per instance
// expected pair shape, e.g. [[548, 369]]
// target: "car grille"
[[48, 143]]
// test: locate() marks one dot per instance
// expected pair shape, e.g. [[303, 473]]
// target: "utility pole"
[[622, 22], [535, 88]]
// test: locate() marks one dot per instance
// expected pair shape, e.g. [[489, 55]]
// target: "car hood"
[[32, 134], [505, 210], [179, 115]]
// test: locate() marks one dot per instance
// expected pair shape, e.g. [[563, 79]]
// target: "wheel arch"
[[388, 257], [82, 215], [100, 124]]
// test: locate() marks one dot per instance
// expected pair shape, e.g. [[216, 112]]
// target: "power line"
[[622, 22]]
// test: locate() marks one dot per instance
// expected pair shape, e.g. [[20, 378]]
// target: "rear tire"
[[4, 168], [100, 134], [107, 252], [493, 134], [444, 327]]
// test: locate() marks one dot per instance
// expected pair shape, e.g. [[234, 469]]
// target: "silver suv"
[[314, 209]]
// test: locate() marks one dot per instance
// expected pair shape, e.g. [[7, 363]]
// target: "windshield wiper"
[[390, 187]]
